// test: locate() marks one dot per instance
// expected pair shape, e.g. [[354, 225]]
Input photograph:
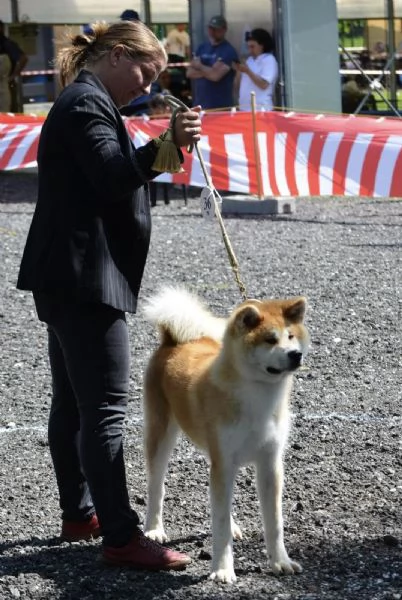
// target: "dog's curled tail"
[[182, 317]]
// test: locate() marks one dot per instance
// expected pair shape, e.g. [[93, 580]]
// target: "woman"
[[84, 260], [259, 73]]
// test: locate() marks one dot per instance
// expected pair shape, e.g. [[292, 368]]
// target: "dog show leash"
[[167, 161]]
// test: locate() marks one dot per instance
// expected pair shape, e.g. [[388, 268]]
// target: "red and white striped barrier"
[[34, 73], [300, 155]]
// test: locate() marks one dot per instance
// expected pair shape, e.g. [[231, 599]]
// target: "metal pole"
[[278, 27], [391, 52], [16, 87], [15, 11], [256, 148], [147, 12]]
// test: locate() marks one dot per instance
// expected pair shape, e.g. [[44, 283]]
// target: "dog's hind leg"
[[160, 437], [270, 484], [236, 531], [222, 477]]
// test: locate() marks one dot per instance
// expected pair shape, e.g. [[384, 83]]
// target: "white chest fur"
[[263, 422]]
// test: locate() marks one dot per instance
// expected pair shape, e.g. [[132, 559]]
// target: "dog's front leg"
[[157, 452], [222, 478], [270, 484]]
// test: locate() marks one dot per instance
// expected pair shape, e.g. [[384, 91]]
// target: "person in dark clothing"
[[84, 260], [18, 60], [130, 15]]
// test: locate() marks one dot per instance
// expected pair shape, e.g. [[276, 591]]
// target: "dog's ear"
[[248, 318], [295, 309]]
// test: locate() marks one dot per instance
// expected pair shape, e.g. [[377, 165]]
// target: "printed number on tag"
[[207, 203]]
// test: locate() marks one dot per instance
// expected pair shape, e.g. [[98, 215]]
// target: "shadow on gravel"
[[277, 218], [332, 569], [399, 245], [293, 219], [77, 571], [371, 561], [18, 187]]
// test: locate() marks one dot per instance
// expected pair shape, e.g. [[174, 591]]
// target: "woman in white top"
[[259, 73]]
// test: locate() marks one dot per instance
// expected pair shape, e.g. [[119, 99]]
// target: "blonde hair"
[[84, 49]]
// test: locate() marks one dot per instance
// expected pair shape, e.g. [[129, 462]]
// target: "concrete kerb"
[[249, 205]]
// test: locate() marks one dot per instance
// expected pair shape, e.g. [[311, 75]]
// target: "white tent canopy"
[[5, 11], [366, 9], [87, 11], [162, 11]]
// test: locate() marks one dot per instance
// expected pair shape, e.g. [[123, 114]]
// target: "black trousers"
[[89, 359]]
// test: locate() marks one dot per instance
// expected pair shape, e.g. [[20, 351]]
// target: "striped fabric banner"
[[299, 154]]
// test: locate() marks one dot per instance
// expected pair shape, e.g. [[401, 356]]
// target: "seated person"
[[354, 90]]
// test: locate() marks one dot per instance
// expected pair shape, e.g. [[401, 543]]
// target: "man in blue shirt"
[[211, 68]]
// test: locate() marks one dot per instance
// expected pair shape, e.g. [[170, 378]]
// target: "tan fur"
[[230, 396]]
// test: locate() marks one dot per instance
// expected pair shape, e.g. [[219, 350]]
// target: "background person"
[[18, 60], [5, 96], [177, 44], [84, 260], [159, 107], [259, 73], [212, 68], [130, 15], [354, 89]]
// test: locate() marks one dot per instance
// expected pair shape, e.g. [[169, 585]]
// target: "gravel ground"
[[342, 501]]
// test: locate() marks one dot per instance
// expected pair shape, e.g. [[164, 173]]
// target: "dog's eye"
[[291, 336], [271, 339]]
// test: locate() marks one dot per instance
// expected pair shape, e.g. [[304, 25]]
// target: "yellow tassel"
[[167, 159]]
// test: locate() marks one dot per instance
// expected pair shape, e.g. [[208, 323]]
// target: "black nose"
[[295, 357]]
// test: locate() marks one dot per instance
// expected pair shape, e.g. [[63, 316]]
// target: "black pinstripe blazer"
[[90, 232]]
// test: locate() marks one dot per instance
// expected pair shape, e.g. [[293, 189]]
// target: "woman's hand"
[[243, 68], [187, 127]]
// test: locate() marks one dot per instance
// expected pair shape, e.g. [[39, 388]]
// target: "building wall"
[[310, 54]]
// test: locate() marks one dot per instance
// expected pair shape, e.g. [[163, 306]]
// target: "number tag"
[[207, 203]]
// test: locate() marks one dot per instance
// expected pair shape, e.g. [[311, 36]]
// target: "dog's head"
[[268, 339]]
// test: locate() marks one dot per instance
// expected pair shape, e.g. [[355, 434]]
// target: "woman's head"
[[259, 41], [126, 56]]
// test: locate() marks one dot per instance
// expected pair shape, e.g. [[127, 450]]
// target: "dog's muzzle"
[[295, 358]]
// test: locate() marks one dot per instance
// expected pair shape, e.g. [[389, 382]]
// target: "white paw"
[[158, 535], [223, 575], [236, 531], [285, 566]]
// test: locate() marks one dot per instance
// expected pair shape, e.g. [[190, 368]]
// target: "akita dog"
[[226, 384]]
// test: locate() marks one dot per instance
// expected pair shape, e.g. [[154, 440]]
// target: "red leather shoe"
[[143, 553], [76, 531]]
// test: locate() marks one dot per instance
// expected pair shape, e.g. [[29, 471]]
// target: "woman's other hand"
[[242, 67]]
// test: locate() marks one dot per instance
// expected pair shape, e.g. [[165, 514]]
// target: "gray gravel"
[[343, 496]]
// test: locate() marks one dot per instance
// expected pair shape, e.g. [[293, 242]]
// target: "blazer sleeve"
[[99, 143]]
